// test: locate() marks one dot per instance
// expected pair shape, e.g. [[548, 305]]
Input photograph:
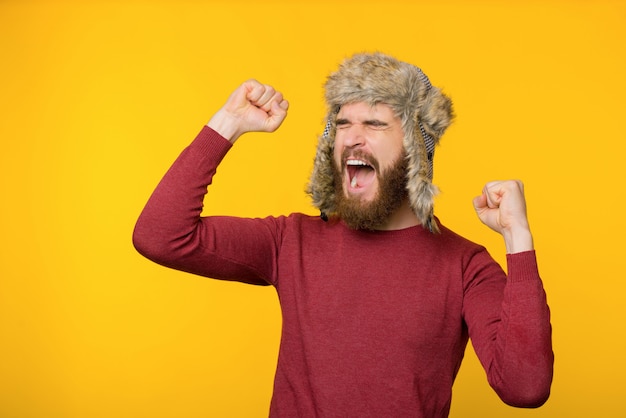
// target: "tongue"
[[362, 177]]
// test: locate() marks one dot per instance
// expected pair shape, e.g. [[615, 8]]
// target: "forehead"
[[360, 110]]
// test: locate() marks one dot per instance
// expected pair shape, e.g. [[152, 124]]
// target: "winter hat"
[[425, 113]]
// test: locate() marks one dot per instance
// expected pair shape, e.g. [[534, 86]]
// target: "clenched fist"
[[502, 207], [252, 107]]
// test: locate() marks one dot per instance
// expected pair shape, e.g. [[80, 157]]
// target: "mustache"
[[361, 155]]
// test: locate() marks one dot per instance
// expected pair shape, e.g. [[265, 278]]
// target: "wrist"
[[225, 125], [518, 240]]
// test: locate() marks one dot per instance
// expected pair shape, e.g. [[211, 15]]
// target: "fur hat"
[[425, 113]]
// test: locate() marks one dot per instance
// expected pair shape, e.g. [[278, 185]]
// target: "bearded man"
[[378, 297]]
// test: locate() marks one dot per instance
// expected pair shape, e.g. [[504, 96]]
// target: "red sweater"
[[375, 324]]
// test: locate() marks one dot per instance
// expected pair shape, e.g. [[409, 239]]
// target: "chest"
[[373, 291]]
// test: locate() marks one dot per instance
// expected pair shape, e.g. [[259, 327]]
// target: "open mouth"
[[360, 173]]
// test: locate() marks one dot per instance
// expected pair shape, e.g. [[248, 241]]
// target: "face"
[[369, 164], [368, 141]]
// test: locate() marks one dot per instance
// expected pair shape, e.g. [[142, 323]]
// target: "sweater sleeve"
[[509, 325], [171, 231]]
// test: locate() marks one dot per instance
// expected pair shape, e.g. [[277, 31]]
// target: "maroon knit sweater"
[[375, 323]]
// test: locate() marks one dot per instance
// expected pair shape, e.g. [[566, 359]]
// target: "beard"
[[359, 214]]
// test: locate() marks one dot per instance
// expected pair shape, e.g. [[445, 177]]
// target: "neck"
[[402, 218]]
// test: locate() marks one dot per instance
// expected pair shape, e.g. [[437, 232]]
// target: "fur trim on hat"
[[424, 110]]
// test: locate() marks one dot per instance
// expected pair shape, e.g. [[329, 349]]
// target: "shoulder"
[[452, 245], [295, 222], [452, 237]]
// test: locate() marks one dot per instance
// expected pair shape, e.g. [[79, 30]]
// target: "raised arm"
[[170, 229], [511, 332]]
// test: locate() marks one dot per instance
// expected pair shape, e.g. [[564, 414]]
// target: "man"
[[378, 297]]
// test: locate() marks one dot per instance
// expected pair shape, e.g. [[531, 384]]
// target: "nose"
[[352, 136]]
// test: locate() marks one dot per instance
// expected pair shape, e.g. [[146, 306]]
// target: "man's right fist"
[[252, 107]]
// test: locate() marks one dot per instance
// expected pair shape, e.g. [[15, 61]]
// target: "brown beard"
[[390, 195]]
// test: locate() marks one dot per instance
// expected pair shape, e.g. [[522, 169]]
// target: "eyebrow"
[[368, 122], [375, 122]]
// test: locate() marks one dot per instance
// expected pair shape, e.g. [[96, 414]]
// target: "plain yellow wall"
[[98, 98]]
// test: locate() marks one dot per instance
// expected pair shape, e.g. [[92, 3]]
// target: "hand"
[[251, 107], [502, 207]]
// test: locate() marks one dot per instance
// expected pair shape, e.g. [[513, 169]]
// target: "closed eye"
[[372, 124], [342, 123], [376, 124]]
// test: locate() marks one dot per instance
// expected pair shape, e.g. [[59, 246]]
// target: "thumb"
[[485, 212], [480, 202]]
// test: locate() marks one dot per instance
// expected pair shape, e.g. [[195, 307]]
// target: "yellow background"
[[98, 98]]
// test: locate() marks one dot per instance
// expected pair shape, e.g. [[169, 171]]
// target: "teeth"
[[353, 182], [355, 162]]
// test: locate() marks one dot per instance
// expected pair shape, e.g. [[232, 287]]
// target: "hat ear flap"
[[423, 203], [421, 191], [436, 113], [431, 120], [321, 186]]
